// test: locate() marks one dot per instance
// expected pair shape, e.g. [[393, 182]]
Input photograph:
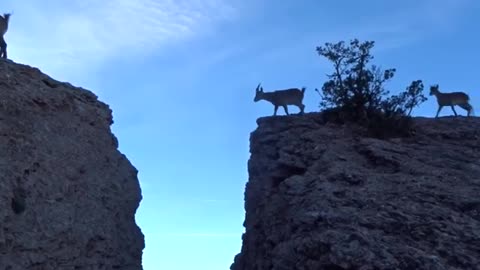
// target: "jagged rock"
[[69, 196], [323, 196]]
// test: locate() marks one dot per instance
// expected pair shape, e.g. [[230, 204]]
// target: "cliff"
[[68, 195], [321, 196]]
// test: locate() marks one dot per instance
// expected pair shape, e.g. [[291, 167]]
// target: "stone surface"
[[68, 195], [321, 196]]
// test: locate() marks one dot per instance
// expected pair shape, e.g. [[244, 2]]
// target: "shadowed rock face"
[[321, 196], [68, 195]]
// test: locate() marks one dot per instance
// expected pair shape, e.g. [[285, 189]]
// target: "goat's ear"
[[261, 89]]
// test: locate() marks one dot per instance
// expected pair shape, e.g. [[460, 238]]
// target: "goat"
[[291, 96], [451, 99], [3, 29]]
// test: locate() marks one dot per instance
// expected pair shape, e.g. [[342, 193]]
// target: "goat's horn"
[[258, 86]]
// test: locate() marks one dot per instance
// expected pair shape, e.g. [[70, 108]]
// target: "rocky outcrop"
[[68, 195], [323, 196]]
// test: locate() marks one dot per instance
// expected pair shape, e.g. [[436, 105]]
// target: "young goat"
[[451, 99], [3, 29], [291, 96]]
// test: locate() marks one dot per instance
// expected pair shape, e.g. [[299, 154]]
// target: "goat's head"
[[434, 89], [6, 16], [258, 93], [4, 23]]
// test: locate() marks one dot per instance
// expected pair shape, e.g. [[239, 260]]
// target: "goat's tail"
[[303, 90]]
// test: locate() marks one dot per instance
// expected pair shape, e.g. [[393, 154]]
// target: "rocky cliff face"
[[321, 196], [68, 195]]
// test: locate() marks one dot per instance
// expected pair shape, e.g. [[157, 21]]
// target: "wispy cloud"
[[88, 32]]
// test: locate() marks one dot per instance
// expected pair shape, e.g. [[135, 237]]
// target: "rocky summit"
[[324, 196], [68, 195]]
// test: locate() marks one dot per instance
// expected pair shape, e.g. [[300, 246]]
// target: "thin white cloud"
[[84, 33]]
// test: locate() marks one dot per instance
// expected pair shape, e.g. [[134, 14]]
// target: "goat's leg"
[[286, 109], [453, 109], [275, 110], [470, 111], [466, 107], [302, 108], [3, 48], [438, 111]]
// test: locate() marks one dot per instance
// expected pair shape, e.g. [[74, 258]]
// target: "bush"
[[355, 91]]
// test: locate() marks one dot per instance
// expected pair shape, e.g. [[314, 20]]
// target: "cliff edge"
[[68, 195], [322, 196]]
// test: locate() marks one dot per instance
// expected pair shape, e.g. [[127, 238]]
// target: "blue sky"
[[180, 77]]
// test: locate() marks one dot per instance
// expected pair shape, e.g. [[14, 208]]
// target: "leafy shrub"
[[355, 91]]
